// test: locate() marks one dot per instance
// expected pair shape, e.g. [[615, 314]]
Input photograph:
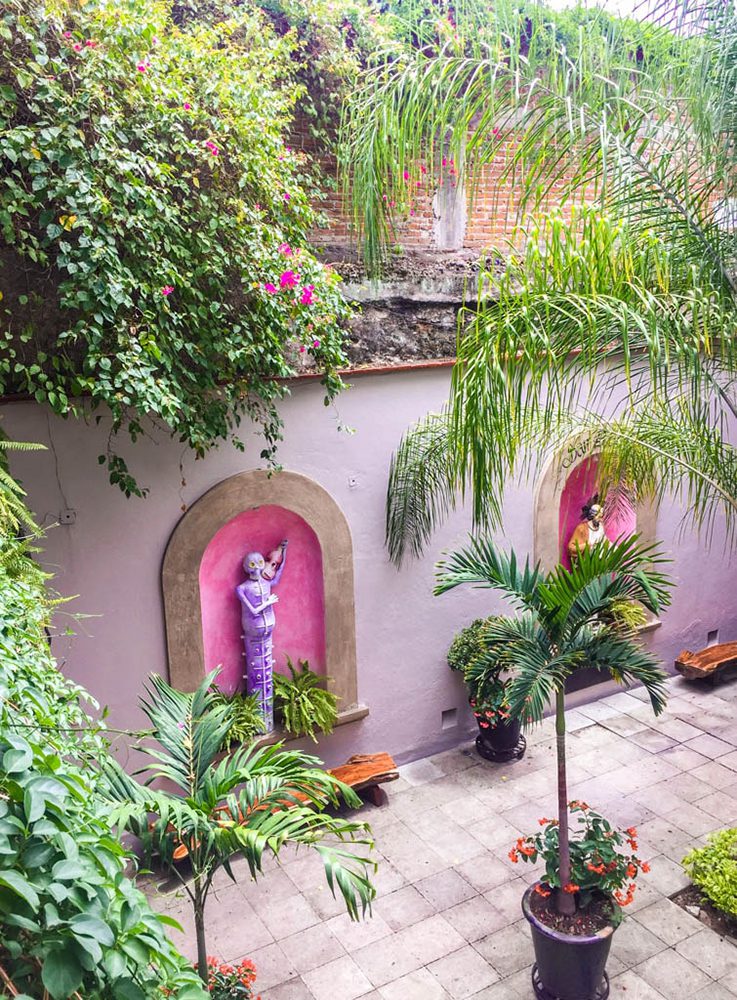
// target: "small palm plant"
[[251, 802], [564, 625]]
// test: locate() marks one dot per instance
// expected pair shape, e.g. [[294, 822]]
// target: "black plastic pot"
[[502, 741], [567, 966]]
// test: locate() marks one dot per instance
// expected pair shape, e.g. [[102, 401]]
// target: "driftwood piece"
[[707, 662], [366, 770]]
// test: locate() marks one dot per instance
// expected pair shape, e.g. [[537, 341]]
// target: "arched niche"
[[567, 480], [271, 499], [300, 618]]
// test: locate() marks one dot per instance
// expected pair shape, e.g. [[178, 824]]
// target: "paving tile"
[[633, 943], [507, 950], [721, 805], [693, 819], [324, 903], [712, 954], [431, 939], [402, 908], [467, 811], [684, 758], [677, 729], [463, 973], [485, 871], [419, 985], [714, 991], [233, 926], [475, 918], [651, 740], [420, 772], [715, 773], [629, 986], [507, 899], [272, 966], [306, 873], [624, 725], [445, 889], [312, 947], [284, 917], [674, 976], [504, 990], [668, 921], [295, 989], [355, 934], [709, 746], [386, 960], [340, 978], [666, 876]]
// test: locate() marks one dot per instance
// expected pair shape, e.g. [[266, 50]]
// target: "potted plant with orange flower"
[[564, 625], [487, 676]]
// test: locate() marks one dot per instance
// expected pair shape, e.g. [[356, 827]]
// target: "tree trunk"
[[199, 925], [564, 901]]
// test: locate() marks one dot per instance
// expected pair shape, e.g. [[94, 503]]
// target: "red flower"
[[513, 856], [631, 831], [571, 888], [542, 892], [644, 867]]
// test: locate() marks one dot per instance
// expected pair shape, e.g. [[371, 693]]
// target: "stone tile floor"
[[447, 921]]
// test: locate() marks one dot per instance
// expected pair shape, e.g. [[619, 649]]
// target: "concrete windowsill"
[[352, 714]]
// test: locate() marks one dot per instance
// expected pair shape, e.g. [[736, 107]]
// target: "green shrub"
[[467, 645], [713, 868], [245, 720], [303, 702]]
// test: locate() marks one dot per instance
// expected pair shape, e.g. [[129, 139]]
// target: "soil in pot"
[[598, 915]]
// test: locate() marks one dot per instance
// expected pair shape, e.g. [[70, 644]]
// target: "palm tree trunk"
[[564, 902], [199, 926]]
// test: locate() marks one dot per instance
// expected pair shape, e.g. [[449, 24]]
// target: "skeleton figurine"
[[589, 531], [258, 620]]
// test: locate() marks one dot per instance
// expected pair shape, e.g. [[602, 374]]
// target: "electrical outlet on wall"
[[68, 516]]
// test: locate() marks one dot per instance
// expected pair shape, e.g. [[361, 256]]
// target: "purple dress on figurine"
[[258, 620]]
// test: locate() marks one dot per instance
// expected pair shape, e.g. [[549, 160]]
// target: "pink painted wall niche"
[[581, 485], [300, 613]]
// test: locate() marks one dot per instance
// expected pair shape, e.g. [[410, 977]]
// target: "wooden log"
[[707, 662], [365, 770]]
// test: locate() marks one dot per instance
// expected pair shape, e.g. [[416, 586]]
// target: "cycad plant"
[[252, 802], [564, 625], [614, 305]]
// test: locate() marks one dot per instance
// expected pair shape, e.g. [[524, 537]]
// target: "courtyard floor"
[[447, 921]]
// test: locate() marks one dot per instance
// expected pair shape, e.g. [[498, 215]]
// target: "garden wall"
[[111, 557]]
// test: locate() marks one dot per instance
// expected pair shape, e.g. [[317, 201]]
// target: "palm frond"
[[482, 564]]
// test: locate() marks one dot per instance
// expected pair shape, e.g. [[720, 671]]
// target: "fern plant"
[[303, 701], [246, 722]]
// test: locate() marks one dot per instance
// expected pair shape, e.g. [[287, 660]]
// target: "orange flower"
[[633, 844], [597, 869], [631, 831], [513, 856], [527, 849], [542, 892], [644, 867], [546, 822], [631, 870], [571, 888]]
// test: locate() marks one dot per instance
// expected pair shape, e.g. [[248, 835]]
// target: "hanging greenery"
[[154, 221]]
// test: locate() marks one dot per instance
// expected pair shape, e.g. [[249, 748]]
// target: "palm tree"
[[613, 306], [250, 802], [562, 627]]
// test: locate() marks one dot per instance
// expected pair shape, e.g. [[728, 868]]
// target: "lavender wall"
[[111, 557]]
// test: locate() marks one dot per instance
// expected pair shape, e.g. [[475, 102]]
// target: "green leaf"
[[61, 973], [89, 926], [20, 886]]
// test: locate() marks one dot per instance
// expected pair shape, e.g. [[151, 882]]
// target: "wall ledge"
[[353, 713]]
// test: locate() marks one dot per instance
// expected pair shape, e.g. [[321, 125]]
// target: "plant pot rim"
[[570, 939]]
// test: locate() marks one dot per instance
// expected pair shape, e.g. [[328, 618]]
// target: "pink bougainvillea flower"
[[257, 207], [167, 290], [270, 288], [187, 106], [212, 147], [91, 43], [67, 34], [423, 169], [285, 249], [141, 67], [302, 349], [306, 298], [286, 196], [445, 162], [77, 46], [289, 279], [411, 211], [315, 344], [406, 175]]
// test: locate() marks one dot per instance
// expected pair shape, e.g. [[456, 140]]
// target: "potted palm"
[[251, 802], [487, 677], [564, 625]]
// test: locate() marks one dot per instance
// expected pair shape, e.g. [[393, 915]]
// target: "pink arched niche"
[[300, 613], [580, 486]]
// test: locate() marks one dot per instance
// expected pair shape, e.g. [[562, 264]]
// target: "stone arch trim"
[[187, 544], [549, 491]]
